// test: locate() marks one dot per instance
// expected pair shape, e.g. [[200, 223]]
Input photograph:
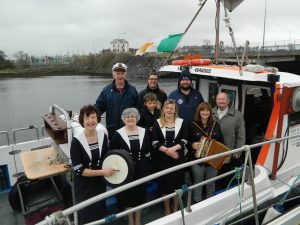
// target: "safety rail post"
[[248, 151], [189, 201], [244, 173], [25, 128], [7, 137]]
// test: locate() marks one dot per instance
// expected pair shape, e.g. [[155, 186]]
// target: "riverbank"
[[99, 65], [66, 70]]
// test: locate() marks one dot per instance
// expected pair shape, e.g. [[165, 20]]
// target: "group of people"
[[155, 129]]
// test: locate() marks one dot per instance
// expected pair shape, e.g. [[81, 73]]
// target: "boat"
[[270, 103]]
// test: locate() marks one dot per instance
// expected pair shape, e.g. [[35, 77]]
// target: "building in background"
[[119, 45]]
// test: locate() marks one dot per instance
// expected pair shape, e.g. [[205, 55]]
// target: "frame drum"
[[120, 160]]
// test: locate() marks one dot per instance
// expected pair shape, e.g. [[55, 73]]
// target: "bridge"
[[284, 55]]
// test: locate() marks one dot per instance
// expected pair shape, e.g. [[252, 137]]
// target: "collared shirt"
[[222, 113]]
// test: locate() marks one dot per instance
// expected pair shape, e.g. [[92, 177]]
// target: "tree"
[[3, 62], [207, 45], [22, 58]]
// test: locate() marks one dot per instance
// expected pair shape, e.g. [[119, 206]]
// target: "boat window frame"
[[234, 90]]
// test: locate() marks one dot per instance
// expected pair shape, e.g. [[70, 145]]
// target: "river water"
[[23, 101]]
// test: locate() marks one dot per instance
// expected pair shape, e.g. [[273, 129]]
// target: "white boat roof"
[[251, 73]]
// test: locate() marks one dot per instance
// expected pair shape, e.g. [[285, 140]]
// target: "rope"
[[57, 218], [110, 218], [279, 205], [237, 176], [180, 192]]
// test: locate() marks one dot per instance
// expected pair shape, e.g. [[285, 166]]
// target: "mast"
[[201, 4], [217, 25]]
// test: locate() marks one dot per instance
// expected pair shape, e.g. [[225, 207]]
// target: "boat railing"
[[7, 137], [31, 127], [248, 160]]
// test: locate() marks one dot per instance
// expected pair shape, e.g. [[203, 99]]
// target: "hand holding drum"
[[123, 167]]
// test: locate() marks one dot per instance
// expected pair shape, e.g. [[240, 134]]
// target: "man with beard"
[[187, 97]]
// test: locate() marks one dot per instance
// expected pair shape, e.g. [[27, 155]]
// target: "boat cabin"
[[263, 95]]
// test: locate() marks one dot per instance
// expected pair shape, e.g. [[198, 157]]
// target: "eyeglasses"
[[129, 117]]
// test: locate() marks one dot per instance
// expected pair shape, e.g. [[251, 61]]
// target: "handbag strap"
[[211, 131]]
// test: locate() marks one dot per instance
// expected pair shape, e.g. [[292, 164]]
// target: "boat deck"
[[10, 217], [7, 214]]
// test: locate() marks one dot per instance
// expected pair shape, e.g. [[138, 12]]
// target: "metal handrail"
[[7, 137], [117, 190], [25, 128]]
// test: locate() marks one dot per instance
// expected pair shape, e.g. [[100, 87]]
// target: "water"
[[23, 101]]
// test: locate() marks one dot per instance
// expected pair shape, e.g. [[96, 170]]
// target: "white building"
[[119, 45]]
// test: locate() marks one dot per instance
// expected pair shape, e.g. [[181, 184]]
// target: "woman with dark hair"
[[88, 147], [203, 125], [135, 140], [169, 138]]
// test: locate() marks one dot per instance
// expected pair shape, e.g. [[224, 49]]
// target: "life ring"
[[122, 161], [191, 62]]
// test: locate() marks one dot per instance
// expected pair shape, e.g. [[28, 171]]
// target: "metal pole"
[[189, 201], [186, 30], [217, 33], [263, 45], [247, 148]]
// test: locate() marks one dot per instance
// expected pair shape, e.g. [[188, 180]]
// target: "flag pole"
[[186, 30]]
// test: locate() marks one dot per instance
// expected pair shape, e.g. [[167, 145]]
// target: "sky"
[[60, 27]]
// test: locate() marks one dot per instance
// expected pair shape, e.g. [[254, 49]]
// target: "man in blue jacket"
[[186, 97], [116, 97]]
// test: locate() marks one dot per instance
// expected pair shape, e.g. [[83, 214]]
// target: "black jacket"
[[161, 96]]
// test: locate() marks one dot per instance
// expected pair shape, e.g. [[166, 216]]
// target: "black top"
[[168, 137], [161, 96], [195, 134], [87, 187], [140, 155], [147, 118]]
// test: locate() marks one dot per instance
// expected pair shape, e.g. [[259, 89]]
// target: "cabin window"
[[257, 112], [213, 91]]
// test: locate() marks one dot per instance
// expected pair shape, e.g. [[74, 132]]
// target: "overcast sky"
[[55, 27]]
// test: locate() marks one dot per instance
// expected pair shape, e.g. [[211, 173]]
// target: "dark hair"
[[150, 96], [202, 106], [153, 72], [87, 110]]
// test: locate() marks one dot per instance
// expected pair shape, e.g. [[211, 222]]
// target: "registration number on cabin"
[[202, 70], [293, 131]]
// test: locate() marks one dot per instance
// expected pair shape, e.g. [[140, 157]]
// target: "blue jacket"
[[187, 104], [114, 102]]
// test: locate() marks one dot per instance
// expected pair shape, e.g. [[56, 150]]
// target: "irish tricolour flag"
[[162, 44]]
